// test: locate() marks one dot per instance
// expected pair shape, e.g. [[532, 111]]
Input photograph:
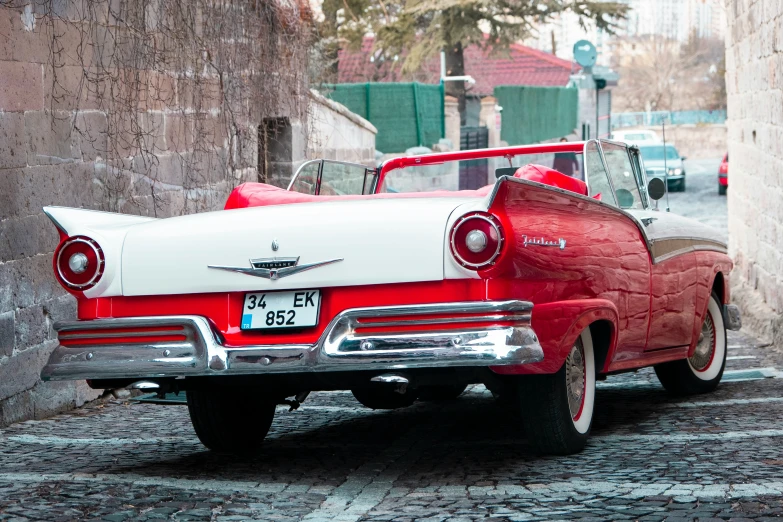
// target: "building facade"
[[672, 19], [754, 78]]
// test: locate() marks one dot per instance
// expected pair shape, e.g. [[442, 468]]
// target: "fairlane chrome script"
[[540, 241], [274, 263], [274, 267]]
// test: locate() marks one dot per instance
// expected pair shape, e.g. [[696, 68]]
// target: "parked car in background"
[[723, 175], [658, 158], [536, 285], [637, 137]]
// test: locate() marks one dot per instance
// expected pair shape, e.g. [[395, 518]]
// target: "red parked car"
[[723, 175], [536, 285]]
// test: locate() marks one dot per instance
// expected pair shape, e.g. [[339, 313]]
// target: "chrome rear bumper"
[[187, 346]]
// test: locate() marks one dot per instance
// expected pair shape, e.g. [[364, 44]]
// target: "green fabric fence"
[[405, 114], [534, 114]]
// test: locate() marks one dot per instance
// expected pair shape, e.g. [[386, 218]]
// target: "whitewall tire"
[[557, 409], [580, 379], [701, 372]]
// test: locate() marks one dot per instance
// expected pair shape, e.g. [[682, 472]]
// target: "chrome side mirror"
[[656, 189]]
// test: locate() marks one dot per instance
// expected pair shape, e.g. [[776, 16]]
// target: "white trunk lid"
[[379, 241]]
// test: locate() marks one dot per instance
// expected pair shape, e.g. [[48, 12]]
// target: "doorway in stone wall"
[[473, 173], [275, 151]]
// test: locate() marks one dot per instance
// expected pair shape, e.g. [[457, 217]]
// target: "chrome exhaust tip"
[[145, 385], [400, 381]]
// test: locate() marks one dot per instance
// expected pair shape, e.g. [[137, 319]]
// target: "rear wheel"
[[557, 409], [384, 397], [722, 190], [230, 420], [701, 372]]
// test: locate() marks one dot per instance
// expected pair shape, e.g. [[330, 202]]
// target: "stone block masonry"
[[754, 83], [41, 163], [80, 128], [57, 148]]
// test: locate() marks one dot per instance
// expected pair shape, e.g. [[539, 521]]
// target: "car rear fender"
[[717, 267], [558, 325]]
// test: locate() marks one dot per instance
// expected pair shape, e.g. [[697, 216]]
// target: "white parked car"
[[639, 136]]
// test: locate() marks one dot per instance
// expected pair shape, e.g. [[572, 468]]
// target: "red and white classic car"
[[369, 280]]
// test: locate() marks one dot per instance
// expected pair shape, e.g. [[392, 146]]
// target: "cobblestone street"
[[651, 457]]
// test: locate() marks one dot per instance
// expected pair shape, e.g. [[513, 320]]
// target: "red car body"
[[581, 279]]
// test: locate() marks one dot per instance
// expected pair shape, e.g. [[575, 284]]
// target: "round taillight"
[[80, 262], [476, 240]]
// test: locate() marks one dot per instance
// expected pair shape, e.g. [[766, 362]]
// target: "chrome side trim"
[[449, 320], [733, 317], [669, 247], [343, 345]]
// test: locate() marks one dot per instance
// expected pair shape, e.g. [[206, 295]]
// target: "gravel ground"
[[651, 456]]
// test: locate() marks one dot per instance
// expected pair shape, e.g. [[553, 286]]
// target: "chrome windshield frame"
[[633, 154], [321, 162]]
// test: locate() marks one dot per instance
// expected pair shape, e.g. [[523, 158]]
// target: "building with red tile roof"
[[518, 65]]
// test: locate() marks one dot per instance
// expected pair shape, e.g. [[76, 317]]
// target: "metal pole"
[[442, 65], [416, 113], [367, 101], [665, 167]]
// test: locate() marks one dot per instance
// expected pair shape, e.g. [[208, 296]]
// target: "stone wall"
[[754, 83], [339, 134], [56, 149]]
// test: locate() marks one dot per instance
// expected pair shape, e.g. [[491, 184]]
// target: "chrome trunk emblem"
[[274, 267], [275, 245]]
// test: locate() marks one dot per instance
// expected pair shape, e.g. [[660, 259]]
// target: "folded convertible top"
[[261, 195]]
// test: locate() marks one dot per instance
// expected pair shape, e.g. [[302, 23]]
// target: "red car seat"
[[551, 177]]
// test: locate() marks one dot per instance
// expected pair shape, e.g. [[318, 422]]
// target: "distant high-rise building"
[[674, 19]]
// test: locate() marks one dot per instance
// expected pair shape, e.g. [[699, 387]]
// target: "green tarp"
[[405, 114], [534, 114]]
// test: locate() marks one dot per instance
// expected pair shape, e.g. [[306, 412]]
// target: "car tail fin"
[[70, 221]]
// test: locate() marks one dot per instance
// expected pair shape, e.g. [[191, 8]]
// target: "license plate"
[[294, 309]]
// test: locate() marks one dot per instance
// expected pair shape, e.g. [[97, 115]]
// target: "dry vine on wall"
[[171, 93]]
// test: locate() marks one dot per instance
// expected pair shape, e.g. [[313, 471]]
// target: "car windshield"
[[474, 174], [656, 152]]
